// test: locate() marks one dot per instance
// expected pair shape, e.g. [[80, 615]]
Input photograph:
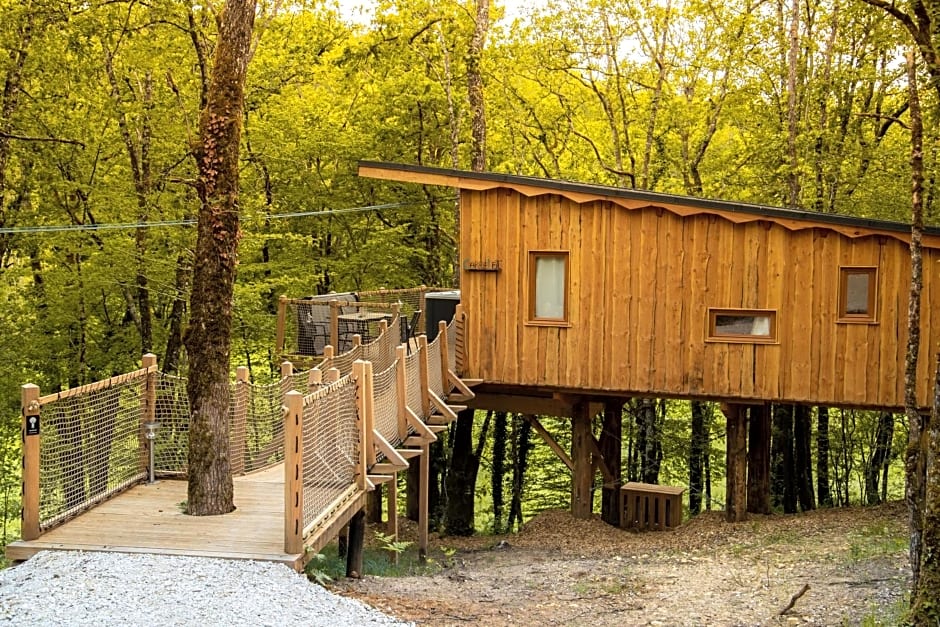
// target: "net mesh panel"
[[413, 381], [307, 327], [330, 446], [381, 352], [300, 381], [171, 448], [435, 378], [90, 448], [385, 386], [343, 362], [264, 425]]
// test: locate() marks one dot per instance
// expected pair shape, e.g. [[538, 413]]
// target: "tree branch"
[[56, 140]]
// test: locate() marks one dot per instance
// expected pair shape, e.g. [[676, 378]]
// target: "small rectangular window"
[[757, 326], [548, 287], [857, 292]]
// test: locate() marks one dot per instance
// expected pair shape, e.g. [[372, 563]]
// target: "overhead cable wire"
[[148, 225]]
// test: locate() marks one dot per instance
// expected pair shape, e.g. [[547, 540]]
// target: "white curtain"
[[550, 287]]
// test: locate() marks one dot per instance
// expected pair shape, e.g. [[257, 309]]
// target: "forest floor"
[[563, 571]]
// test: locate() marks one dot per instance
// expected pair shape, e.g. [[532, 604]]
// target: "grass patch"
[[378, 562], [876, 540]]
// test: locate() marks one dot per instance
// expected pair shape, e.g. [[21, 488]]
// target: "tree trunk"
[[521, 445], [500, 429], [648, 441], [475, 87], [802, 457], [758, 460], [610, 446], [880, 457], [925, 602], [696, 456], [783, 480], [793, 174], [736, 455], [915, 462], [461, 478], [822, 457], [208, 338]]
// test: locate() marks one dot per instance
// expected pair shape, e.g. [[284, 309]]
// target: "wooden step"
[[458, 398], [380, 479], [472, 383], [437, 420], [437, 428], [408, 453], [384, 468], [415, 440]]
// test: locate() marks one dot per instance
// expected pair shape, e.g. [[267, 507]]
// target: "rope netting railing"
[[385, 403], [381, 352], [171, 445], [413, 383], [91, 445], [331, 448], [263, 419], [435, 374]]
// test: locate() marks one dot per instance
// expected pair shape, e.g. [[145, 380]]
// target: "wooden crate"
[[650, 507]]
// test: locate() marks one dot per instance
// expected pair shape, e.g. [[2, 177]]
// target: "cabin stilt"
[[583, 473], [357, 535], [758, 460], [736, 473], [610, 442]]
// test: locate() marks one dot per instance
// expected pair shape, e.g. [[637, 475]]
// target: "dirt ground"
[[562, 571]]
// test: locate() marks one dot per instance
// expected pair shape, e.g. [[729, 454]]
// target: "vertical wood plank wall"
[[641, 283]]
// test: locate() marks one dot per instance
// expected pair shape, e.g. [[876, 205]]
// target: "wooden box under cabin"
[[650, 507]]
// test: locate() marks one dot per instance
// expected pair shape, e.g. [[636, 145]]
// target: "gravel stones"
[[78, 588]]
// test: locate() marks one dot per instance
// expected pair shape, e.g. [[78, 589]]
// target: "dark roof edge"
[[653, 197]]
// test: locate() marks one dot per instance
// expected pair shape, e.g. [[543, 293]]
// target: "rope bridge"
[[342, 422]]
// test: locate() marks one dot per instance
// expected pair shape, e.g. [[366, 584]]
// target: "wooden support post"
[[445, 356], [362, 408], [334, 325], [370, 414], [29, 401], [287, 369], [425, 408], [610, 447], [314, 379], [293, 473], [148, 409], [280, 325], [758, 460], [423, 488], [391, 527], [583, 475], [354, 550], [332, 375], [401, 380], [240, 421], [736, 464]]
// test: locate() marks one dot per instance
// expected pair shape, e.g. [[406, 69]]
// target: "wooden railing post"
[[445, 357], [402, 383], [148, 411], [281, 325], [314, 379], [332, 375], [240, 420], [293, 473], [422, 305], [370, 414], [29, 401], [362, 391], [334, 324], [423, 376]]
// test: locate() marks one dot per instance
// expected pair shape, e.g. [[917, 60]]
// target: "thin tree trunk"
[[475, 87], [499, 469], [696, 456], [925, 608], [793, 175], [802, 457], [880, 457], [610, 446], [208, 338], [783, 476], [521, 445]]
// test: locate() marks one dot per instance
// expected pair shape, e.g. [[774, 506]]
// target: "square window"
[[548, 287], [758, 326], [857, 292]]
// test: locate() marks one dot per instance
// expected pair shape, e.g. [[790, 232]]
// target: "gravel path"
[[76, 588]]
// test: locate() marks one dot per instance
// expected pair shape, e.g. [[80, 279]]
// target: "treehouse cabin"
[[578, 293]]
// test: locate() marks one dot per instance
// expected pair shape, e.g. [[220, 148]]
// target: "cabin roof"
[[738, 212]]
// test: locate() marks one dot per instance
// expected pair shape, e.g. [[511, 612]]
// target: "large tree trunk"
[[610, 446], [758, 460], [915, 462], [822, 457], [783, 480], [925, 608], [697, 456], [648, 441], [208, 338], [462, 477], [475, 87], [802, 457]]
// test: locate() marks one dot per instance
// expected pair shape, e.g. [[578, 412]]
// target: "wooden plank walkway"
[[149, 519]]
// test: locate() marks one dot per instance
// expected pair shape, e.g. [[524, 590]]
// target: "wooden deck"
[[149, 519]]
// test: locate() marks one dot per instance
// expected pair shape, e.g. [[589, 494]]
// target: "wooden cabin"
[[577, 290]]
